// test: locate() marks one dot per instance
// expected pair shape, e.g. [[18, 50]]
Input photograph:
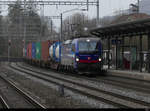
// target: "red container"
[[45, 49], [29, 51]]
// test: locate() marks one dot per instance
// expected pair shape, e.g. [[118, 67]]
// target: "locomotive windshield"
[[88, 46]]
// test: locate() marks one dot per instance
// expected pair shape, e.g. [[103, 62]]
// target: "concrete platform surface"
[[130, 74]]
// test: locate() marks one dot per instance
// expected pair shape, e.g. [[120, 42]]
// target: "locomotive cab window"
[[89, 46]]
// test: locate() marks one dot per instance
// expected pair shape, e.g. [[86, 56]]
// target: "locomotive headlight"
[[77, 59], [100, 59]]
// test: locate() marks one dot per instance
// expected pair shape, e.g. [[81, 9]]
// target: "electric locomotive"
[[82, 55]]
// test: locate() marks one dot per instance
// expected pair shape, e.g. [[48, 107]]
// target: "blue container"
[[33, 51]]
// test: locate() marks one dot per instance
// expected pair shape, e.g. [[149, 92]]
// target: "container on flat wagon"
[[33, 51], [45, 55], [55, 51], [45, 50], [27, 51], [23, 52], [38, 50], [51, 49], [30, 51]]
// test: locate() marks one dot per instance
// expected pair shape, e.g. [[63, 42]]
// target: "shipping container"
[[23, 52], [27, 51], [45, 50], [33, 51], [30, 51], [38, 50], [55, 51], [51, 49]]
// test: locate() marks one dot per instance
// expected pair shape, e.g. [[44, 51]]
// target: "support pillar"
[[148, 59], [130, 53], [141, 59], [122, 53], [108, 40], [116, 53]]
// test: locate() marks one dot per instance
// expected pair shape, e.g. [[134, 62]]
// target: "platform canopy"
[[132, 28]]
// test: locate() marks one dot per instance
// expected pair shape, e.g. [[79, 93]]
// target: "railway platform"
[[129, 74], [127, 48]]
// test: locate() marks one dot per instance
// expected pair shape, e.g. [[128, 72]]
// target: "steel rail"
[[4, 103], [117, 104], [92, 88], [106, 92], [23, 93], [132, 86]]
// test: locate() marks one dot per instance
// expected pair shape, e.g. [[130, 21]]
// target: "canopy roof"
[[131, 28]]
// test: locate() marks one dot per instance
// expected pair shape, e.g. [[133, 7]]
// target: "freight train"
[[80, 55]]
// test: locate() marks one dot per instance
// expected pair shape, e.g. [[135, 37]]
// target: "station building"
[[127, 42]]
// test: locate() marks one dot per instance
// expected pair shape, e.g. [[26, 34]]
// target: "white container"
[[51, 51], [57, 52]]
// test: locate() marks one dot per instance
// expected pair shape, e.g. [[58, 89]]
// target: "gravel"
[[108, 87], [15, 99], [48, 93]]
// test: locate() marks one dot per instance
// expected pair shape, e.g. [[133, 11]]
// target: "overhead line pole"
[[138, 6], [61, 27], [87, 5], [81, 3], [97, 12]]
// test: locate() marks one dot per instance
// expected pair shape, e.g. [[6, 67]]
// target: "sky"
[[107, 8]]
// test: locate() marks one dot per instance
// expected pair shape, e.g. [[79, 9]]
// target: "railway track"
[[3, 103], [129, 85], [92, 92], [119, 82], [27, 98]]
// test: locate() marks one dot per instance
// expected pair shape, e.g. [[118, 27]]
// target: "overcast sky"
[[107, 8]]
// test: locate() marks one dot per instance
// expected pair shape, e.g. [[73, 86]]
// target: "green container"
[[38, 50]]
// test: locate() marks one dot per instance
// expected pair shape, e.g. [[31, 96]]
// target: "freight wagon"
[[82, 55]]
